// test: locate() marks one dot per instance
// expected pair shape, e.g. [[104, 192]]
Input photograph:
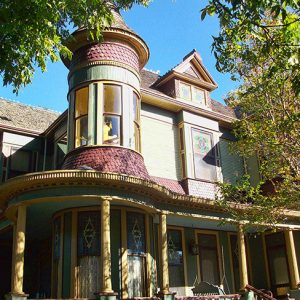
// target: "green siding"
[[67, 255], [191, 260], [115, 236], [231, 164], [259, 275], [104, 72], [252, 169]]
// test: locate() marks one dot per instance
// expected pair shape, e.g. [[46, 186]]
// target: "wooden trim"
[[149, 285]]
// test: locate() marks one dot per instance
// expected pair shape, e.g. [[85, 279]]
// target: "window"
[[81, 117], [277, 262], [88, 252], [136, 121], [204, 155], [20, 162], [112, 110], [136, 245], [208, 258], [191, 93], [175, 258]]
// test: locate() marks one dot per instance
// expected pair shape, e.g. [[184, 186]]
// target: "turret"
[[104, 99]]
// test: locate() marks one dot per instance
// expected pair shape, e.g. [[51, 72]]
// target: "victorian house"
[[116, 197]]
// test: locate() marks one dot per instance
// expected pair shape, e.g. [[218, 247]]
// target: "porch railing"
[[260, 294]]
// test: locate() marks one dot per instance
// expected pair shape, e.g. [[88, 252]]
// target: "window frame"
[[184, 252], [192, 98], [218, 252], [212, 149]]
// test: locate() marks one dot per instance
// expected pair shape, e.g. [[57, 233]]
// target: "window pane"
[[209, 258], [199, 96], [81, 102], [88, 243], [204, 157], [175, 258], [111, 130], [136, 276], [81, 131], [135, 233], [185, 91], [112, 98]]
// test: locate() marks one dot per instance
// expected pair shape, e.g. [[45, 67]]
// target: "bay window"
[[110, 117]]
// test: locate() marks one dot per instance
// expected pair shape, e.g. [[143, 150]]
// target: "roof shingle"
[[18, 115]]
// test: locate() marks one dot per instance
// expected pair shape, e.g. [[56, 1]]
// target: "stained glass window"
[[204, 155], [88, 233], [135, 232], [175, 258]]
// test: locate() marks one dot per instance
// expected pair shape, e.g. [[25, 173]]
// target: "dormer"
[[189, 82]]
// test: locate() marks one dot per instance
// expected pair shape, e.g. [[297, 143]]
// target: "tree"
[[259, 44], [33, 32]]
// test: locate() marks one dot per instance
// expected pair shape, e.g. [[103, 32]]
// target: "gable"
[[191, 71]]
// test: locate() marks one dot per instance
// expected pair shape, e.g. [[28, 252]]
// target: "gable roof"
[[149, 80], [18, 116], [190, 69]]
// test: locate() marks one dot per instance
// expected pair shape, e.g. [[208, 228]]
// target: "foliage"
[[259, 44], [33, 32]]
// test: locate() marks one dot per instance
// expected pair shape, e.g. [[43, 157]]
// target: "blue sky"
[[171, 28]]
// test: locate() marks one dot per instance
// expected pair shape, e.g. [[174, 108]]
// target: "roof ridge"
[[30, 105]]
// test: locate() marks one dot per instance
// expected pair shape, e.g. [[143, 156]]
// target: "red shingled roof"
[[107, 159], [171, 184]]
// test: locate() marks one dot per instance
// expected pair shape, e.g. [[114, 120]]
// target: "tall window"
[[112, 110], [136, 121], [81, 117], [204, 155], [136, 255], [182, 152], [208, 258], [175, 258], [88, 252], [277, 261]]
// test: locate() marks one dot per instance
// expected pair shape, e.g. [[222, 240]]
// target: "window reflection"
[[111, 130]]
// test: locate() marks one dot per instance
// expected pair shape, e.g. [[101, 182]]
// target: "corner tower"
[[104, 100]]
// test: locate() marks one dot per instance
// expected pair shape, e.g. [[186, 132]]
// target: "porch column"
[[105, 247], [292, 258], [106, 292], [242, 258], [18, 254], [164, 254]]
